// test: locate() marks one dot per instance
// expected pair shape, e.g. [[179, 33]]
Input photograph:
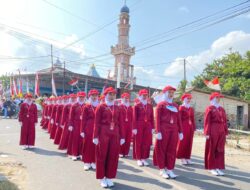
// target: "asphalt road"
[[50, 169]]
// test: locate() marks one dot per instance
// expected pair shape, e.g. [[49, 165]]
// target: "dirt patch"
[[13, 174]]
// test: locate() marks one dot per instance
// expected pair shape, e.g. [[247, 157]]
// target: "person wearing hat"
[[143, 128], [168, 129], [108, 136], [57, 117], [87, 127], [75, 140], [184, 147], [53, 115], [215, 131], [28, 119], [44, 124], [69, 101], [58, 130], [43, 120], [127, 112]]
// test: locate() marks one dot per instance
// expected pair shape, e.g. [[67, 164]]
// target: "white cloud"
[[237, 40], [183, 9], [142, 71]]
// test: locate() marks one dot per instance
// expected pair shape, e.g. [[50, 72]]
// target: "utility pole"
[[185, 76], [64, 77], [52, 65], [118, 80]]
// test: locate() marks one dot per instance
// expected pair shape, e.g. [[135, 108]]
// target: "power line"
[[191, 23], [214, 22]]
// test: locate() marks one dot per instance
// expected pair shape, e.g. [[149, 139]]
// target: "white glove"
[[56, 124], [153, 131], [122, 141], [70, 128], [48, 117], [134, 131], [158, 136], [207, 137], [62, 126], [82, 135], [52, 121], [95, 141], [181, 136]]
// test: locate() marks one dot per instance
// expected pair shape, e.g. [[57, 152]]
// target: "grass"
[[7, 185]]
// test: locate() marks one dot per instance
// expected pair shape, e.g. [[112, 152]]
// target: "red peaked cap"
[[167, 88], [216, 94], [81, 94], [125, 95], [93, 92], [143, 92], [28, 95], [72, 96], [186, 96], [109, 90], [65, 97]]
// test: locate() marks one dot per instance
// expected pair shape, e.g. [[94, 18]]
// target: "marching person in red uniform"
[[184, 147], [127, 112], [143, 128], [44, 106], [108, 136], [58, 130], [57, 117], [87, 127], [168, 129], [70, 100], [215, 130], [75, 140], [28, 119], [48, 113], [52, 115]]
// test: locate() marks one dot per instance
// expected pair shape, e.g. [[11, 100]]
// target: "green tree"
[[233, 71]]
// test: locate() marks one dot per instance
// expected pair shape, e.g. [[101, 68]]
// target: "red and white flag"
[[11, 88], [53, 86], [20, 84], [213, 84], [27, 86], [15, 87], [73, 82], [37, 87]]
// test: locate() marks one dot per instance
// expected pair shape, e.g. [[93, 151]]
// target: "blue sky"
[[147, 18]]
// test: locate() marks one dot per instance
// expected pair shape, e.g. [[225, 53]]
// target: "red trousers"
[[165, 150], [184, 147], [215, 151], [107, 155], [58, 135], [27, 133], [53, 131], [124, 150], [88, 149], [142, 142], [75, 140], [64, 138]]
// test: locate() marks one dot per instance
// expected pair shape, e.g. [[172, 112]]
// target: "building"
[[62, 77], [122, 50], [238, 111]]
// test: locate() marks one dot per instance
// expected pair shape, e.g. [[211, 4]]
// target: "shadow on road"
[[205, 181], [137, 178], [45, 152]]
